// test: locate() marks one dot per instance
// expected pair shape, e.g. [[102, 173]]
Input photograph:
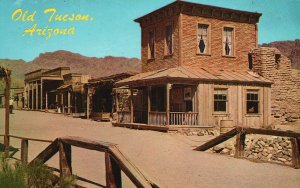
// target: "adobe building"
[[198, 71]]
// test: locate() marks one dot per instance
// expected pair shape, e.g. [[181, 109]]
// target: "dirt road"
[[166, 159]]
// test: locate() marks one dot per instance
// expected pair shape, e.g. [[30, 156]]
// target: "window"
[[151, 45], [220, 100], [252, 102], [250, 61], [228, 40], [169, 40], [277, 60], [203, 39], [158, 101]]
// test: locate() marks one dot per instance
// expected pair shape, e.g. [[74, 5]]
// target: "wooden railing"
[[158, 118], [115, 160], [241, 132], [183, 118], [124, 117]]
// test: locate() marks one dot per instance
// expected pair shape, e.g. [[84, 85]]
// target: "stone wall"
[[285, 91], [264, 148]]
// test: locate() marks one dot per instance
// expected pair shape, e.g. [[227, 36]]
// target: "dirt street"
[[167, 159]]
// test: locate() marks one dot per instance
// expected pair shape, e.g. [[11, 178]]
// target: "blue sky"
[[113, 31]]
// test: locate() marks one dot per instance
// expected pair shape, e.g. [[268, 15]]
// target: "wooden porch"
[[162, 107]]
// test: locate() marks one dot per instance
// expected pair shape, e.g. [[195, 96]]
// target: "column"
[[62, 103], [36, 95], [149, 103], [32, 95], [69, 102], [41, 105], [168, 87], [46, 100], [88, 103], [131, 105]]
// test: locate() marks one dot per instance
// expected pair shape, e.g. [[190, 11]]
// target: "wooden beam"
[[7, 110], [86, 143], [272, 132], [113, 172], [137, 178], [240, 145], [149, 103], [65, 159], [24, 151], [295, 142], [217, 140], [46, 154], [168, 87], [131, 105], [41, 106]]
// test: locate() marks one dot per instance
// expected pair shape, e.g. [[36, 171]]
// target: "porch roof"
[[190, 74]]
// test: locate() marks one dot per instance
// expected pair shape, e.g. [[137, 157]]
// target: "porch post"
[[32, 95], [88, 103], [69, 103], [62, 102], [168, 87], [149, 104], [36, 95], [41, 94], [46, 100], [131, 105]]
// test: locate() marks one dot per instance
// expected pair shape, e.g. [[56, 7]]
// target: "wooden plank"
[[86, 143], [272, 132], [129, 169], [295, 152], [113, 172], [168, 87], [47, 153], [7, 95], [30, 139], [217, 140], [131, 105], [240, 145], [24, 151], [65, 159]]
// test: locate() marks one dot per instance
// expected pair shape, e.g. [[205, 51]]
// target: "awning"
[[188, 74]]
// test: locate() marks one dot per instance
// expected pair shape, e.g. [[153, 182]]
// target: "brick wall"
[[285, 91], [160, 61], [245, 39]]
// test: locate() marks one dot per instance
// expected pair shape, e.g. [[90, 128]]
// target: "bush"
[[37, 175]]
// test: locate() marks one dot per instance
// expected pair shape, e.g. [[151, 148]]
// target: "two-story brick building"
[[195, 70]]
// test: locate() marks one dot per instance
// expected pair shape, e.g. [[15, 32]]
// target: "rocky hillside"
[[96, 67], [291, 49]]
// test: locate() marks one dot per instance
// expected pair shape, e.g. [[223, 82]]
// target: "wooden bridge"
[[115, 160]]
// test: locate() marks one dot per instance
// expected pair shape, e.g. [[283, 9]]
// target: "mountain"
[[96, 67], [291, 49]]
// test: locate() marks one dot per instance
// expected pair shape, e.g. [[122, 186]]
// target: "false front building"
[[195, 70]]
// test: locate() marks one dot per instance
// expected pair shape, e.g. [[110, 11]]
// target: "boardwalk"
[[166, 159]]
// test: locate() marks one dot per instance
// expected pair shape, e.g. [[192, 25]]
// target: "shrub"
[[37, 175]]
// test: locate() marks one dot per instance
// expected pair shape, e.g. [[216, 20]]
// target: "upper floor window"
[[250, 61], [169, 40], [228, 41], [252, 101], [151, 43], [220, 100], [203, 39]]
